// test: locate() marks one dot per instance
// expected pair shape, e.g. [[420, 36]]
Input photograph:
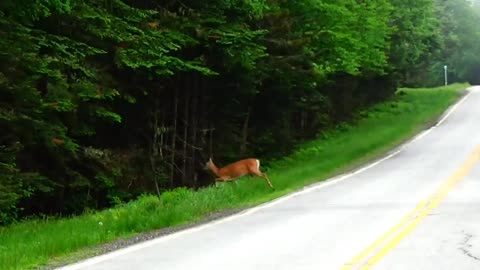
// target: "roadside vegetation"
[[373, 132]]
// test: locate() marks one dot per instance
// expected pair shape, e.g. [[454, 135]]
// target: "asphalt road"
[[418, 208]]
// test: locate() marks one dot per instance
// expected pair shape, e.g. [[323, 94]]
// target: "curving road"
[[418, 208]]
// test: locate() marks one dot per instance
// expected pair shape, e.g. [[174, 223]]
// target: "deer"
[[231, 172]]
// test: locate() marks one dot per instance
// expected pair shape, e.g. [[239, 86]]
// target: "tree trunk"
[[174, 139], [243, 145], [194, 129], [156, 147], [185, 138]]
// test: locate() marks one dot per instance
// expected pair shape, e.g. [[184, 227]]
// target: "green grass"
[[379, 129]]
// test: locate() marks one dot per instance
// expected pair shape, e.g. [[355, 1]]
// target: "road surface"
[[418, 208]]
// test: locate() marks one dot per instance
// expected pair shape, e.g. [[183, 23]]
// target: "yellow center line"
[[385, 243]]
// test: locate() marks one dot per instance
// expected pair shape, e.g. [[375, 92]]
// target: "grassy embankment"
[[379, 129]]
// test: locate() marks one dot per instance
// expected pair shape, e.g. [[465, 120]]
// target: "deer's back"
[[241, 167]]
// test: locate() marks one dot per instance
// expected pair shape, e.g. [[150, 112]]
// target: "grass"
[[380, 128]]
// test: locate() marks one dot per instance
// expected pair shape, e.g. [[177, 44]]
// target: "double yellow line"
[[385, 243]]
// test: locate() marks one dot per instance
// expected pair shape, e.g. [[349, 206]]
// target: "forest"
[[103, 101]]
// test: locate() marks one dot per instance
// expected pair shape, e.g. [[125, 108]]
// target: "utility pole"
[[446, 76]]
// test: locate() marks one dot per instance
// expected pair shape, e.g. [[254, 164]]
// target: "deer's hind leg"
[[264, 176]]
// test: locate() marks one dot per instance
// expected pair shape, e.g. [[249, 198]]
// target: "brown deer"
[[237, 169]]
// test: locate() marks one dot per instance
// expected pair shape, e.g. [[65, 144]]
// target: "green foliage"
[[437, 33], [336, 46], [415, 36], [462, 35], [28, 11]]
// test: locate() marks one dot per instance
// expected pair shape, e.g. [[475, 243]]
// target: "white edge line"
[[307, 189]]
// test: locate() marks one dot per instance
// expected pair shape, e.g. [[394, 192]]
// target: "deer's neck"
[[215, 169]]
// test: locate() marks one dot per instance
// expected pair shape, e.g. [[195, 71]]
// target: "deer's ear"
[[210, 159]]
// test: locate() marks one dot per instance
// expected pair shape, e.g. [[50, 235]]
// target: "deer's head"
[[208, 165]]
